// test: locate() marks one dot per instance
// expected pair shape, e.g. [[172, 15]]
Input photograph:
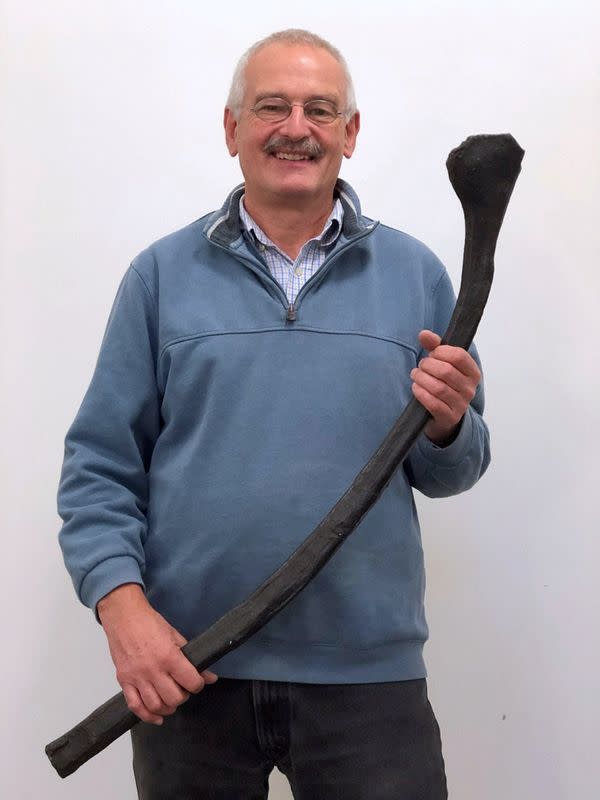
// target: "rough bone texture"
[[483, 171]]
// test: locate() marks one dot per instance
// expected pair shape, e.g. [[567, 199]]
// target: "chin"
[[297, 184], [299, 194]]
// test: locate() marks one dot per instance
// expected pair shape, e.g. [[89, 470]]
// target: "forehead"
[[293, 71]]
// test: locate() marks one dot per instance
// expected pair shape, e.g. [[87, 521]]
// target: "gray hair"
[[290, 36]]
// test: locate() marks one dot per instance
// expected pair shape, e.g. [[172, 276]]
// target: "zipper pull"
[[291, 313]]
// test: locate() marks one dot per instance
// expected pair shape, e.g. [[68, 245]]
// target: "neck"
[[289, 226]]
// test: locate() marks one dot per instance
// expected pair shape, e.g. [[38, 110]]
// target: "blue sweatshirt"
[[220, 426]]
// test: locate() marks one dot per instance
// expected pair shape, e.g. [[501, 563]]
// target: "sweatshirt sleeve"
[[444, 471], [103, 489]]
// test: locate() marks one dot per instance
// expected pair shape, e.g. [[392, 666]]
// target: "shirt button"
[[298, 272]]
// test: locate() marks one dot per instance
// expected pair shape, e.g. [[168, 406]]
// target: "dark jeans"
[[374, 741]]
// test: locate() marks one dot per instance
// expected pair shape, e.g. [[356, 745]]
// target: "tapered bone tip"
[[56, 753]]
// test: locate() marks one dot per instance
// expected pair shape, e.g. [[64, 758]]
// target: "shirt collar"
[[331, 229], [223, 226]]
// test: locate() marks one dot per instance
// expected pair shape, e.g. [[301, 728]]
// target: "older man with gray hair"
[[251, 363]]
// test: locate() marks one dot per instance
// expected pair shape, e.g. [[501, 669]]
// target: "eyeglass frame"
[[302, 105]]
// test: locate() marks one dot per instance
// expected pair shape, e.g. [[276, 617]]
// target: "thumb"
[[429, 340]]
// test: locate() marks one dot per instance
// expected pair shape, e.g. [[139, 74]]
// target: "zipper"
[[322, 271], [260, 269]]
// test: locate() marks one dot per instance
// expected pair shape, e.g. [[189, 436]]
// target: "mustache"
[[304, 147]]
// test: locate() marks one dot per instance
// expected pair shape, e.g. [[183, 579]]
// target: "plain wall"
[[111, 137]]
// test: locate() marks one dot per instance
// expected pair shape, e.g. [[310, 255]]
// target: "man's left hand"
[[444, 382]]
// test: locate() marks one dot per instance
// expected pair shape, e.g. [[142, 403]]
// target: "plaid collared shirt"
[[290, 274]]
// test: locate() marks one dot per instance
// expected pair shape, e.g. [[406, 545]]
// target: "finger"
[[178, 638], [135, 704], [459, 358], [429, 340], [187, 676], [152, 700], [447, 373], [440, 390], [191, 678], [442, 414], [170, 692]]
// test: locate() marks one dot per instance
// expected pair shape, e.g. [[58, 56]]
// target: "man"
[[251, 364]]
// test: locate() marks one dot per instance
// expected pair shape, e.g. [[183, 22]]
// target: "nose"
[[296, 126]]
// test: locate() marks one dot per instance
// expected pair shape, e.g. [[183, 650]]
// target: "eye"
[[320, 111], [271, 108]]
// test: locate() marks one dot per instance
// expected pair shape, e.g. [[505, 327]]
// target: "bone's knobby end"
[[484, 168], [479, 145]]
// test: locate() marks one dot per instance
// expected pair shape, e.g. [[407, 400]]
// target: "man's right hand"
[[151, 669]]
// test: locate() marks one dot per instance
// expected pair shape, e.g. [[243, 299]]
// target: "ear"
[[230, 125], [352, 129]]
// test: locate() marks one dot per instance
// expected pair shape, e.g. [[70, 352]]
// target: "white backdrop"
[[111, 137]]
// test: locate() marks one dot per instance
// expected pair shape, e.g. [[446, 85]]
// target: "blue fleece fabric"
[[216, 434]]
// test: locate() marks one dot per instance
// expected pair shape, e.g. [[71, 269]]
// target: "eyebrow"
[[331, 98]]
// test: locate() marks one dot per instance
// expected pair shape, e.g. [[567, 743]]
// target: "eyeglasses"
[[276, 109]]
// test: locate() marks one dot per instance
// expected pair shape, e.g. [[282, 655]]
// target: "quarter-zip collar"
[[224, 227]]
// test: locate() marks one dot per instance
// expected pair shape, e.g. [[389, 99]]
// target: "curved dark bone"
[[483, 171]]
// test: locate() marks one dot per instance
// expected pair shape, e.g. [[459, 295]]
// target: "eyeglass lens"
[[276, 109]]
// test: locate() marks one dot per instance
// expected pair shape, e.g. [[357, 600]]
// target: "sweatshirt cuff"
[[452, 454], [106, 576]]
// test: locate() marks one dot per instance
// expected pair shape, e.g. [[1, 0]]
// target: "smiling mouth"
[[292, 157], [283, 149]]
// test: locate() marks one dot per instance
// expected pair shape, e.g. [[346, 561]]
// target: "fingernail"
[[159, 722]]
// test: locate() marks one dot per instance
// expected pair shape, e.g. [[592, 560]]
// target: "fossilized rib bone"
[[483, 171]]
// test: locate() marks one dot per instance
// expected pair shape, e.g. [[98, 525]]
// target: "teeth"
[[292, 156]]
